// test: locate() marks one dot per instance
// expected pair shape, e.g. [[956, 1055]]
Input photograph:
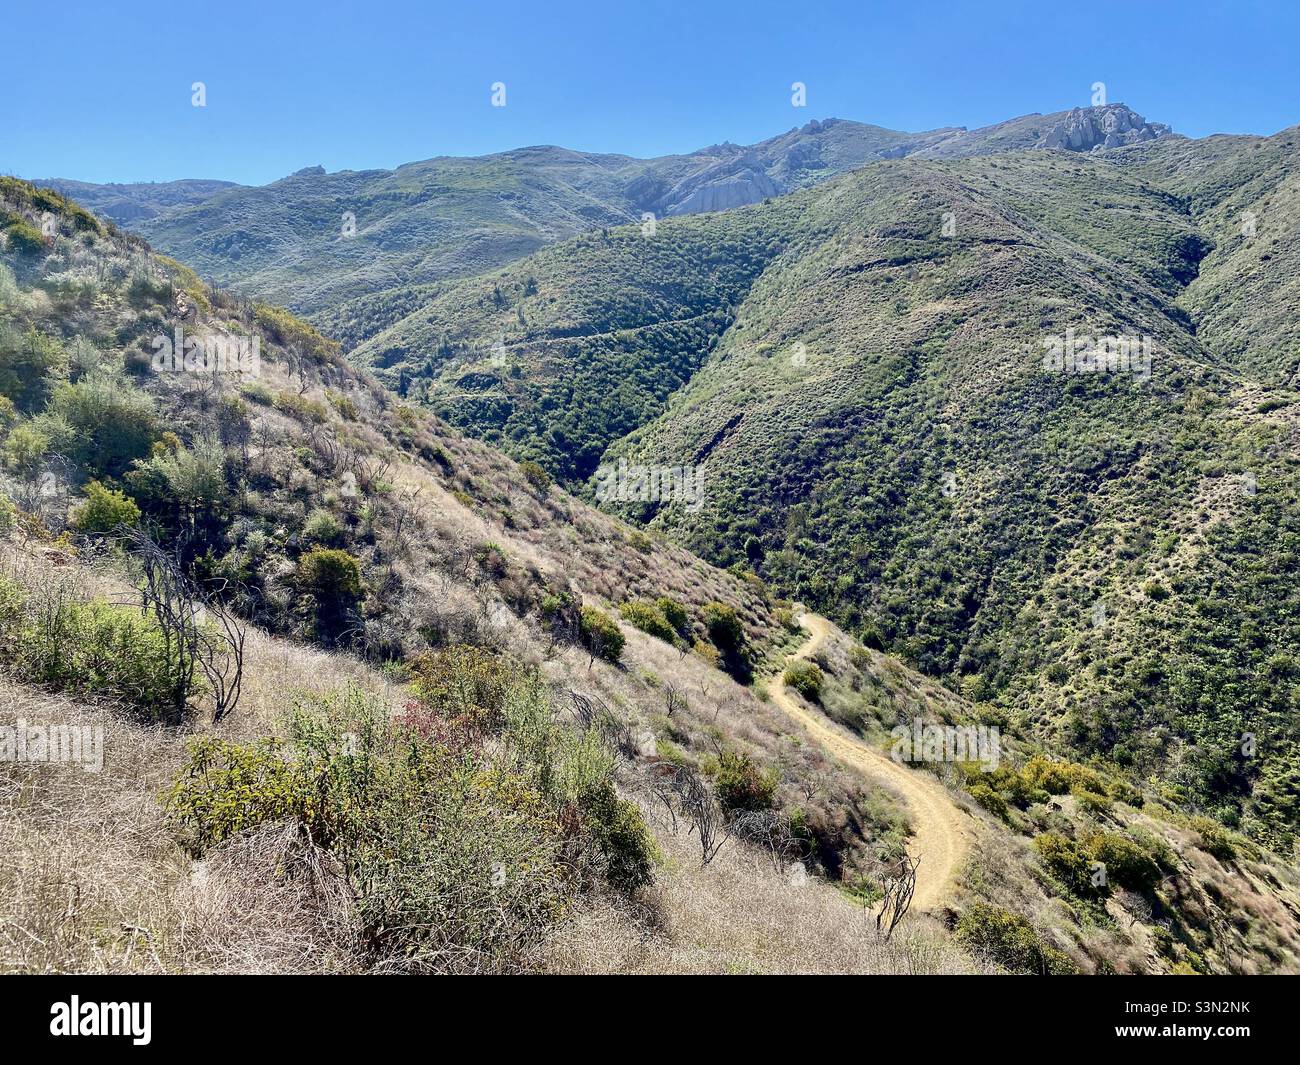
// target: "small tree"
[[898, 886], [333, 579], [200, 631], [741, 784], [728, 635], [601, 635]]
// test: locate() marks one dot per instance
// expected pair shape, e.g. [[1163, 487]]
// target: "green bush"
[[1215, 839], [601, 635], [1127, 863], [741, 784], [188, 484], [460, 855], [728, 635], [676, 615], [95, 650], [30, 366], [1010, 941], [991, 800], [1068, 863], [806, 678], [24, 239], [322, 529], [103, 423], [257, 392], [1058, 778], [103, 511], [648, 618], [535, 475], [333, 579]]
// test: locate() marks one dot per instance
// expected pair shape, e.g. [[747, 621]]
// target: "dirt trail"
[[941, 836]]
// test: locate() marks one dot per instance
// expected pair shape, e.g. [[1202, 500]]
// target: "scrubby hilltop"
[[356, 251]]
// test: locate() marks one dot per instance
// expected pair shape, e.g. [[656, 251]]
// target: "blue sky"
[[102, 92]]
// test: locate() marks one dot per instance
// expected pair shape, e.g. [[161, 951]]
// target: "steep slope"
[[1243, 194], [328, 512], [1104, 555], [273, 477]]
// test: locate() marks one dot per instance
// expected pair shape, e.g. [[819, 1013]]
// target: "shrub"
[[187, 484], [257, 392], [25, 450], [1091, 802], [676, 616], [103, 511], [640, 541], [342, 403], [1008, 940], [1127, 864], [322, 529], [467, 685], [728, 636], [289, 330], [805, 678], [993, 802], [601, 635], [741, 785], [1068, 863], [1215, 839], [1058, 778], [333, 579], [648, 618], [535, 475], [460, 856], [95, 650], [109, 423], [24, 239], [30, 367]]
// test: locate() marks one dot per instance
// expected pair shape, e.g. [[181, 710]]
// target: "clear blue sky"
[[101, 92]]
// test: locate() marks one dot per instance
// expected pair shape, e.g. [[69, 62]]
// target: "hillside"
[[446, 589], [441, 587], [1105, 558], [356, 251]]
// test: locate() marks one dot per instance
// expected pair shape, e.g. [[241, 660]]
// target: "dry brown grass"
[[740, 914], [92, 879]]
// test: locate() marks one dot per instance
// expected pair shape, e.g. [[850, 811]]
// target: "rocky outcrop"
[[1111, 126], [719, 188], [735, 190]]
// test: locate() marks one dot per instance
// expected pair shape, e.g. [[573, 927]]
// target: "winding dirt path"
[[941, 834]]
